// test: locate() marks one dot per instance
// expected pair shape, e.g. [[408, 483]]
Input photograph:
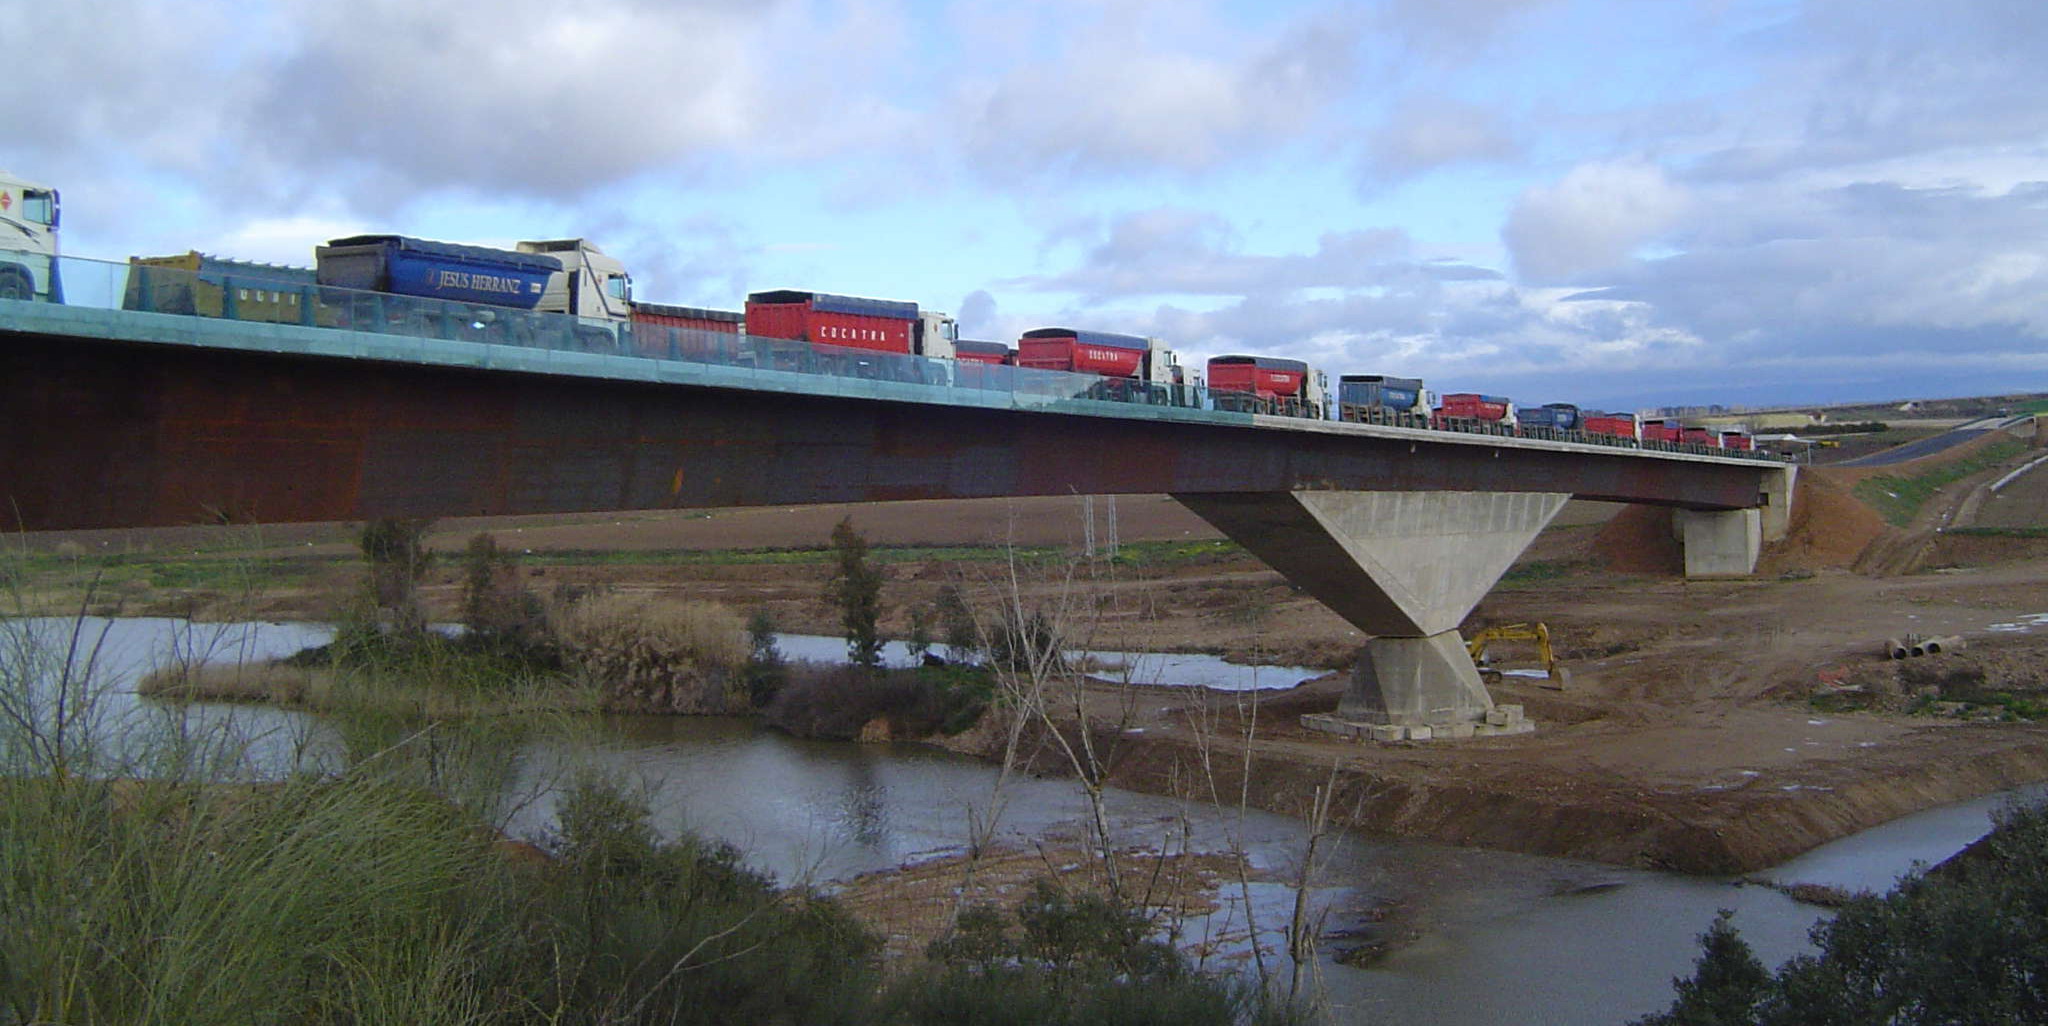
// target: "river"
[[1503, 937]]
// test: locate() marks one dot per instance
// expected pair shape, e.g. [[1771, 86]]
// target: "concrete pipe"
[[1895, 648], [1936, 646]]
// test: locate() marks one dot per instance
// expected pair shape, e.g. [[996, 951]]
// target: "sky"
[[1620, 203]]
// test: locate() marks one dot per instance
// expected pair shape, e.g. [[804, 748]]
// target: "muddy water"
[[1489, 937], [1179, 668]]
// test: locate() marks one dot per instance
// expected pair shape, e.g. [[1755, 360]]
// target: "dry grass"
[[658, 655], [329, 690]]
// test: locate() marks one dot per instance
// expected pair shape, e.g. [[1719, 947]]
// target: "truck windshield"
[[39, 206]]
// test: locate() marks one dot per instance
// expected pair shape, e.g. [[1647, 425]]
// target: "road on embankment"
[[1929, 446]]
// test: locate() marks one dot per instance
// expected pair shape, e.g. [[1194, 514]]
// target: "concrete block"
[[1453, 731], [1420, 732], [1497, 717], [1509, 730], [1514, 712], [1389, 732], [1328, 724]]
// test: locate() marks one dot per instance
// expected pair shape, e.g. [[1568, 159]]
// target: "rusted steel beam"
[[107, 434]]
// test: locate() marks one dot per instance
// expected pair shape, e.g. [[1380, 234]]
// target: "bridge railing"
[[265, 294], [293, 296]]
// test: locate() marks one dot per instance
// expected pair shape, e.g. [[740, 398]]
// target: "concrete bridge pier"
[[1727, 543], [1406, 568]]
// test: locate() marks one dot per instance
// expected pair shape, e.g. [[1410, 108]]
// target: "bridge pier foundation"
[[1406, 568], [1723, 543]]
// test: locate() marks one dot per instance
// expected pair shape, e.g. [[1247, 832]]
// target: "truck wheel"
[[15, 285]]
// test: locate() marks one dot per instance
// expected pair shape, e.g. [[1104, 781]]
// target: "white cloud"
[[1591, 219], [1424, 134], [1172, 251], [1142, 88]]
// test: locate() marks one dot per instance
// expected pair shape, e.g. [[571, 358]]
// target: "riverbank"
[[1748, 792]]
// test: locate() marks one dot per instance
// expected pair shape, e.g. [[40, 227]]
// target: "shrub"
[[836, 702], [654, 654], [496, 608], [1068, 958], [767, 671]]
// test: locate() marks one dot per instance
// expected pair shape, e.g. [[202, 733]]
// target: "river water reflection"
[[1504, 937]]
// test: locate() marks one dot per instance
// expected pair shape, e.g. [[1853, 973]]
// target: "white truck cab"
[[28, 240], [592, 284], [938, 335]]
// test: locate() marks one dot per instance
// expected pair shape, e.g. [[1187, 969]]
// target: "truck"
[[28, 240], [1267, 384], [1382, 399], [1133, 368], [570, 276], [198, 284], [1470, 411], [563, 276], [851, 322]]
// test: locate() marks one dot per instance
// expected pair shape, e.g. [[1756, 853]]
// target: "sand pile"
[[1639, 540], [1830, 526]]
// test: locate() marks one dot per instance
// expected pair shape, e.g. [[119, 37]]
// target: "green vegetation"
[[1964, 943], [1537, 571], [1067, 959], [1898, 499], [1869, 427], [856, 588], [2000, 532], [839, 702], [155, 883], [188, 572]]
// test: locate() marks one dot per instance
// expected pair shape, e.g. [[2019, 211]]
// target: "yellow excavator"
[[1559, 677]]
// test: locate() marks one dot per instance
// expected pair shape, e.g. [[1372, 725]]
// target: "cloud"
[[977, 314], [1429, 133], [1454, 28], [1176, 251], [511, 96], [1592, 219], [1141, 88], [136, 75]]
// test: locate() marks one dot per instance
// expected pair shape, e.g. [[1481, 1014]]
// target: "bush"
[[658, 655], [767, 671], [496, 608], [1068, 958], [836, 702]]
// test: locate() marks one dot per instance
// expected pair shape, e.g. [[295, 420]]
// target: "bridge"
[[116, 414]]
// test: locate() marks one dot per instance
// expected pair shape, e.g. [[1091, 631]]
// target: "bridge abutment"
[[1404, 567]]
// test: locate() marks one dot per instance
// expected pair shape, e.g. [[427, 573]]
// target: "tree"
[[856, 588], [1727, 986]]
